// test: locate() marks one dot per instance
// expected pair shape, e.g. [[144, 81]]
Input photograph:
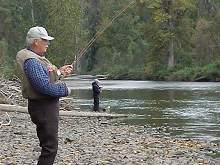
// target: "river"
[[180, 109]]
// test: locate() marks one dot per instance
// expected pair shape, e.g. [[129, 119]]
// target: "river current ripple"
[[181, 109]]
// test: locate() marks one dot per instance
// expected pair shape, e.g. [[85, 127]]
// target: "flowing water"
[[181, 109]]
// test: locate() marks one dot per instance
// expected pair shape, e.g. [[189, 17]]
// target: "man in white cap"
[[40, 85]]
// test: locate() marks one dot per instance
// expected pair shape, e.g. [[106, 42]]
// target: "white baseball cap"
[[39, 32], [97, 81]]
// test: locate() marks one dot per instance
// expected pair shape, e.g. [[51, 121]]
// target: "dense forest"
[[151, 40]]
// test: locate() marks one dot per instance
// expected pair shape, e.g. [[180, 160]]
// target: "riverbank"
[[101, 141], [96, 140], [206, 73]]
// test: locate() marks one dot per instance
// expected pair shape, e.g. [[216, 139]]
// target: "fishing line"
[[99, 33]]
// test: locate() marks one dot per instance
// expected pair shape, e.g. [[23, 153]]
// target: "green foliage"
[[151, 68], [212, 69], [120, 72], [139, 44], [210, 72], [169, 25], [185, 74], [7, 68], [3, 51], [63, 22], [16, 23]]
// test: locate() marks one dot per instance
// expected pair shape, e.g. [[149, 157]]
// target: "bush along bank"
[[207, 73]]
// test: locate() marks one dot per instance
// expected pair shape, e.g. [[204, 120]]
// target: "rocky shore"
[[94, 140], [103, 141]]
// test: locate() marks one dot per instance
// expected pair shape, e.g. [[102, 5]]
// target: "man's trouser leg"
[[96, 104], [44, 113]]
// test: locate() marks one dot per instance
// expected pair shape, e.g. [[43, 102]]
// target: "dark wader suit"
[[96, 91]]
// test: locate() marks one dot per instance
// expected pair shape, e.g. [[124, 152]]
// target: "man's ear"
[[36, 42]]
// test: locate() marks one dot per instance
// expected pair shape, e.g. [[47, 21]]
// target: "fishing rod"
[[99, 33]]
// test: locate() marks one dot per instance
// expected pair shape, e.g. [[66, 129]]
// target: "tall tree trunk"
[[32, 12], [93, 23], [171, 56], [168, 8]]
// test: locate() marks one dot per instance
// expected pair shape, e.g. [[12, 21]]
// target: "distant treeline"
[[153, 39]]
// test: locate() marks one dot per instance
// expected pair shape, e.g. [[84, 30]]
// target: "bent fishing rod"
[[99, 33]]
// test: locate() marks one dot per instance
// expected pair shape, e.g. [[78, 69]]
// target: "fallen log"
[[20, 109]]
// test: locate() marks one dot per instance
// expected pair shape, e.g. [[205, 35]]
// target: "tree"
[[4, 19], [63, 22], [168, 17], [93, 11], [121, 44], [206, 37]]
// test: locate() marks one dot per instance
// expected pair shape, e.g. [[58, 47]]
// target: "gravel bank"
[[100, 141]]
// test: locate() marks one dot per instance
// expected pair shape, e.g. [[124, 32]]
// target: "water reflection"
[[180, 108]]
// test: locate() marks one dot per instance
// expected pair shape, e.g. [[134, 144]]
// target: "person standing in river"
[[41, 86], [96, 89]]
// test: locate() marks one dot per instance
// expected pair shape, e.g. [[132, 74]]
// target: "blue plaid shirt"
[[38, 77]]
